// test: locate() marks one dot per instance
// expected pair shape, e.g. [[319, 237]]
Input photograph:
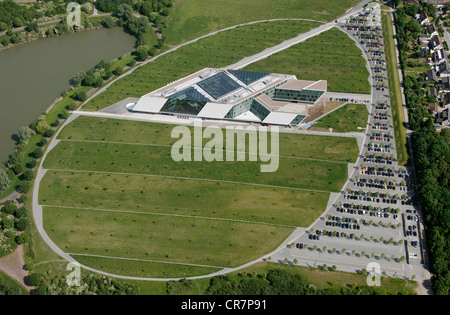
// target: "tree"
[[9, 207], [125, 12], [22, 224], [4, 181], [32, 27], [413, 26], [142, 52], [42, 126], [28, 175], [109, 22], [80, 96], [25, 133], [37, 153]]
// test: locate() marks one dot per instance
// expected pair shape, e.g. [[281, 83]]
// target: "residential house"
[[442, 118], [437, 3], [434, 107], [423, 18], [431, 76], [431, 31], [446, 99], [445, 85], [436, 43], [444, 69]]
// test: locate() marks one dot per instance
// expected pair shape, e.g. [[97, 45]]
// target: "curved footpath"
[[37, 209]]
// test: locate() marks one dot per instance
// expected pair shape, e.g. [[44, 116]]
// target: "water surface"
[[33, 75]]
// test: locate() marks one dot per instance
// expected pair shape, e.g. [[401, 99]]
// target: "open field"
[[145, 194], [193, 18], [220, 50], [86, 128], [157, 160], [345, 119], [161, 238], [395, 92], [330, 56], [103, 194], [143, 268]]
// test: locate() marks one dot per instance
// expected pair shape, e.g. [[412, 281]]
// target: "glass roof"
[[188, 107], [189, 94], [248, 77], [219, 85]]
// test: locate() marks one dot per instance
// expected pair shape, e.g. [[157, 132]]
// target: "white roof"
[[149, 104], [212, 110], [278, 118], [248, 116]]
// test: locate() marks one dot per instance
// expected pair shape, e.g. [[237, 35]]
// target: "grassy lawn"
[[156, 160], [321, 58], [111, 214], [182, 197], [219, 50], [115, 130], [143, 268], [192, 18], [395, 93], [10, 285], [345, 119], [162, 238]]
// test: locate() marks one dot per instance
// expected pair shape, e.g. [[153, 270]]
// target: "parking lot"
[[374, 218]]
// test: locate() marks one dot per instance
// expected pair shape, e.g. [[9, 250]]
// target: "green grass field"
[[345, 119], [321, 58], [114, 130], [220, 50], [193, 18], [395, 93], [127, 199], [161, 238], [145, 194], [155, 160]]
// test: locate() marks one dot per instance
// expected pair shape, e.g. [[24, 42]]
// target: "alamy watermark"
[[229, 146], [374, 274], [74, 16], [74, 277]]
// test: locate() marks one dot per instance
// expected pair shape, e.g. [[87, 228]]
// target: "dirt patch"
[[320, 109], [14, 266]]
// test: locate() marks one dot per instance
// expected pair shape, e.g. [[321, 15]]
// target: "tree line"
[[431, 158]]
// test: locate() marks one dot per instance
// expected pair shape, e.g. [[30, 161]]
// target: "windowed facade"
[[307, 96]]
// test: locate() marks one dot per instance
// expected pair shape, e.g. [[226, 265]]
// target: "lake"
[[33, 75]]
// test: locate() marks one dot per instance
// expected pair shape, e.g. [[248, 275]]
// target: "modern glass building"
[[241, 95]]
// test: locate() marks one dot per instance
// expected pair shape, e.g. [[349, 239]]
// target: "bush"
[[118, 71], [37, 153], [17, 168], [109, 22], [42, 143], [25, 133], [22, 224], [28, 175], [9, 207], [31, 164], [42, 127], [4, 181], [7, 223], [80, 96], [49, 133], [20, 212], [72, 105]]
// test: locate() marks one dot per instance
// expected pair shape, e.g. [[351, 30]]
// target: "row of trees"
[[93, 284], [431, 157], [274, 282]]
